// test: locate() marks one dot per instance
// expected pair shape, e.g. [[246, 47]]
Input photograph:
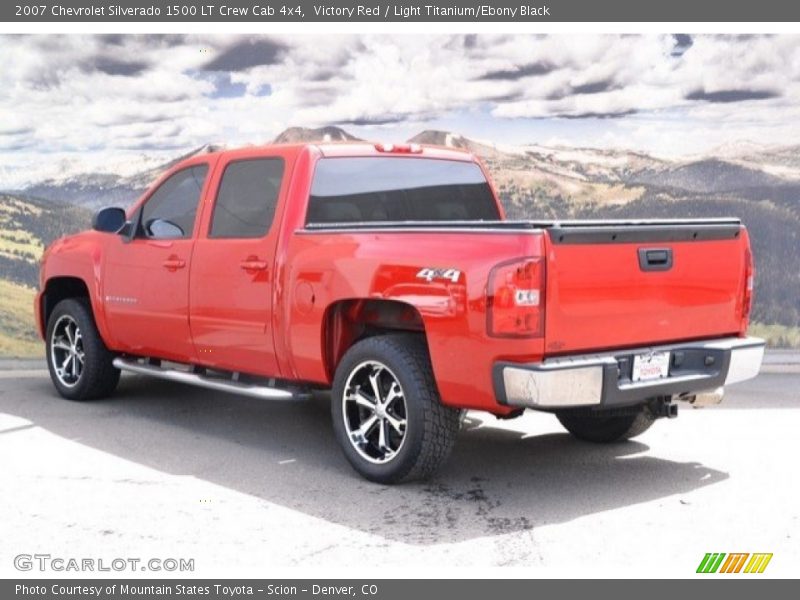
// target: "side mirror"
[[109, 220]]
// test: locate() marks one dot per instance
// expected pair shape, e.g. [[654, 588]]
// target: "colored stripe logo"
[[735, 562]]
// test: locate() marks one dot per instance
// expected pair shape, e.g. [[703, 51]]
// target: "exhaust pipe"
[[707, 398]]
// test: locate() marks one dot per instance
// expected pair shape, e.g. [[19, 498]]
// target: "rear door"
[[622, 285], [232, 276]]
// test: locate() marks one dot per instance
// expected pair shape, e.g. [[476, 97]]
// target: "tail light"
[[747, 295], [515, 299]]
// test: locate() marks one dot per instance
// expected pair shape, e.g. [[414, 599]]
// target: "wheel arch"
[[60, 288], [57, 289], [345, 322]]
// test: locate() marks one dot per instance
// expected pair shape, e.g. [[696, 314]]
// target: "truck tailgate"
[[625, 284]]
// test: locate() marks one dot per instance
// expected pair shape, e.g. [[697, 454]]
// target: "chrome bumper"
[[604, 379]]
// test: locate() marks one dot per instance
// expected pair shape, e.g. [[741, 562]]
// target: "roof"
[[349, 148]]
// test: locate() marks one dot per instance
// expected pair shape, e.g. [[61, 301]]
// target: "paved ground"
[[253, 488]]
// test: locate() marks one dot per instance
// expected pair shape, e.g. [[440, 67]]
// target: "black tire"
[[603, 429], [430, 428], [97, 377]]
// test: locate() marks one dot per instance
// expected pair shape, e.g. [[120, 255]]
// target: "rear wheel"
[[80, 364], [387, 414], [601, 428]]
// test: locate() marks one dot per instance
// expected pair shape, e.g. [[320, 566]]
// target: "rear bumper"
[[604, 380]]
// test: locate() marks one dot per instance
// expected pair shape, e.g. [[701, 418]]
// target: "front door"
[[146, 280], [232, 276]]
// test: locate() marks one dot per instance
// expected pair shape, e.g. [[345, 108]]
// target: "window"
[[171, 209], [381, 189], [247, 198]]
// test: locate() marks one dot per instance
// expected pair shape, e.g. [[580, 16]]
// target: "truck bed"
[[601, 291]]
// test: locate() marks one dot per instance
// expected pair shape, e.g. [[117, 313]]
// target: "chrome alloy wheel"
[[66, 351], [374, 410]]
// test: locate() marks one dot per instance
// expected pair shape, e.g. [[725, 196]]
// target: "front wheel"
[[80, 364], [601, 428], [387, 415]]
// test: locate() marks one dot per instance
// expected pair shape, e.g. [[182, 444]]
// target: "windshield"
[[382, 189]]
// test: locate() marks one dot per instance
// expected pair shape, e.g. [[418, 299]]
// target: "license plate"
[[653, 365]]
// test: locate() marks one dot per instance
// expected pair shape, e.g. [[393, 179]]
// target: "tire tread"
[[100, 377], [440, 423]]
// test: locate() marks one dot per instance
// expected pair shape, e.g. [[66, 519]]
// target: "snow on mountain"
[[450, 139], [581, 173], [295, 135], [92, 181], [737, 149], [61, 169]]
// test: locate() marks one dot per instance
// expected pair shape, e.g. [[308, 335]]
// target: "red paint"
[[598, 298], [286, 305]]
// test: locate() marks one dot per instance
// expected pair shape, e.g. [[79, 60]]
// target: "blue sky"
[[96, 99]]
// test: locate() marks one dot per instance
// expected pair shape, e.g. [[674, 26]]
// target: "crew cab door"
[[146, 279], [232, 276]]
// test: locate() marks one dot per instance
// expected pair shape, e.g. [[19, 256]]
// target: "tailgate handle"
[[655, 259]]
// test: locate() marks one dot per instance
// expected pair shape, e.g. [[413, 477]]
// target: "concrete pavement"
[[248, 487]]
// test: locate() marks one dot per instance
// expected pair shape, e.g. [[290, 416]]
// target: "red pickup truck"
[[389, 275]]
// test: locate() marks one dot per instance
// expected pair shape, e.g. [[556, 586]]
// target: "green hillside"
[[17, 334], [26, 226]]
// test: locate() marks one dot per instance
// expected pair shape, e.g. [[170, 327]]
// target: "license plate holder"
[[650, 366]]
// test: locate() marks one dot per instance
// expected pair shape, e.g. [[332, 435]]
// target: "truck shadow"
[[498, 481]]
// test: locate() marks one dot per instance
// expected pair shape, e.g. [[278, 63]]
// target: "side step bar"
[[256, 391]]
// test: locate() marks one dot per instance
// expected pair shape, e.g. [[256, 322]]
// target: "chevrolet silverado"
[[388, 274]]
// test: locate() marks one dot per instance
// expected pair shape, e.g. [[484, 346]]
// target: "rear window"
[[381, 189]]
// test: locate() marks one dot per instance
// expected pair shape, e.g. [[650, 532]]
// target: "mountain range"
[[580, 175], [759, 184]]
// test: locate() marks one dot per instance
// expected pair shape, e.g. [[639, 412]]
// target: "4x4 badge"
[[429, 274]]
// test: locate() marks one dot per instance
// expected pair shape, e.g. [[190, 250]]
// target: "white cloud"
[[114, 94]]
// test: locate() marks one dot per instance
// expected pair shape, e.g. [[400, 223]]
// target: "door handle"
[[173, 263], [253, 264], [655, 259]]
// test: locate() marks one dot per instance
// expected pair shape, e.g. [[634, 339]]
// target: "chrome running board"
[[255, 391]]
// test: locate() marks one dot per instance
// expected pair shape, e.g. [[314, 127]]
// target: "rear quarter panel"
[[332, 266]]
